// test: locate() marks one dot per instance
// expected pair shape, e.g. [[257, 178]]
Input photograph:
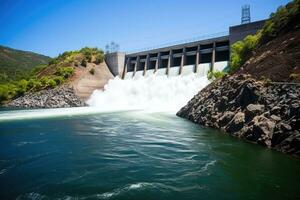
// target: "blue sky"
[[54, 26]]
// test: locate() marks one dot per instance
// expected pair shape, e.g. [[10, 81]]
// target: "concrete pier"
[[182, 60], [197, 59], [213, 57]]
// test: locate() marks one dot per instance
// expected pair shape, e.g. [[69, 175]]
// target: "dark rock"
[[275, 118], [263, 129], [252, 110], [285, 127], [247, 95], [225, 119], [60, 97], [236, 123], [290, 144], [243, 107]]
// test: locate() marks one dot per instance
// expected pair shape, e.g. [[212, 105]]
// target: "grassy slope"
[[15, 63], [57, 72]]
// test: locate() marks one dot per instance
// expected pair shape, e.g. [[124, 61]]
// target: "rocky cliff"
[[260, 99], [261, 112]]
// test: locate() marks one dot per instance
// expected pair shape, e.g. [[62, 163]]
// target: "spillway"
[[152, 93]]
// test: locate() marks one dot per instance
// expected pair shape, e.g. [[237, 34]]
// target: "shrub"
[[90, 53], [37, 69], [22, 87], [92, 71], [4, 92], [241, 50], [83, 63], [212, 75], [51, 83], [280, 19], [65, 72], [99, 59], [58, 80]]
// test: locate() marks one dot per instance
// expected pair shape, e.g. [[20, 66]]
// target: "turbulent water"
[[133, 155], [104, 152], [152, 93]]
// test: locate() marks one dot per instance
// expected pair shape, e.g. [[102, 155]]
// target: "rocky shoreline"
[[261, 112], [61, 97]]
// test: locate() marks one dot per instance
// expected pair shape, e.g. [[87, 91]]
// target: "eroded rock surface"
[[264, 113]]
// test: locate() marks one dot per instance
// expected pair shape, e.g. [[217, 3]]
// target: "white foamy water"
[[151, 93], [142, 94]]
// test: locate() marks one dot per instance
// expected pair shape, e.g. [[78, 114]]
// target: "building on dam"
[[198, 56]]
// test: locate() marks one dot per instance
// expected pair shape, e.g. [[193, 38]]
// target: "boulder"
[[263, 129], [275, 118], [253, 110], [247, 95], [236, 123], [225, 118]]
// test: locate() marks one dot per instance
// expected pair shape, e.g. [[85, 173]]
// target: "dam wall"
[[178, 59], [197, 56]]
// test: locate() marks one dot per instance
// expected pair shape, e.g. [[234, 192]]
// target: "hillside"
[[259, 100], [73, 74], [273, 52], [277, 60], [14, 63]]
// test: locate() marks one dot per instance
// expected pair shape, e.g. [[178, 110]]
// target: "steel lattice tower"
[[245, 14]]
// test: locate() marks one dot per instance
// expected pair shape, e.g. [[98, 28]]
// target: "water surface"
[[135, 155]]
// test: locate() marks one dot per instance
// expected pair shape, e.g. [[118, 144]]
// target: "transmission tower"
[[112, 47], [245, 14]]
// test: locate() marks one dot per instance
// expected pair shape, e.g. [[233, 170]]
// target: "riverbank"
[[61, 97], [261, 112]]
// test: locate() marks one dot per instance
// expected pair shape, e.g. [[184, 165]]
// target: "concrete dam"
[[198, 56]]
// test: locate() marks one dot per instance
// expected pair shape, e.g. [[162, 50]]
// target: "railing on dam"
[[178, 42]]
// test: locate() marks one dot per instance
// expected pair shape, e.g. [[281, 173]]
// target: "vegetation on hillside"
[[213, 75], [57, 72], [279, 22], [16, 64]]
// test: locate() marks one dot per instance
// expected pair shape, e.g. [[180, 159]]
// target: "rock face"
[[85, 82], [61, 97], [264, 113]]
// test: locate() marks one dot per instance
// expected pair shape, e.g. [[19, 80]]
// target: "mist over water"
[[152, 93]]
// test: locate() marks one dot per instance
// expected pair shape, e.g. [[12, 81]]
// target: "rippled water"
[[135, 155]]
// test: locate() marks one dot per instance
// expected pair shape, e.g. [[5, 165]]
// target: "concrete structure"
[[115, 62], [197, 56], [239, 32], [178, 56]]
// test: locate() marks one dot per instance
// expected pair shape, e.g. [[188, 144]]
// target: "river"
[[134, 155], [129, 144]]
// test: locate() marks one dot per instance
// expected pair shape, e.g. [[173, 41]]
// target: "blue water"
[[134, 155]]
